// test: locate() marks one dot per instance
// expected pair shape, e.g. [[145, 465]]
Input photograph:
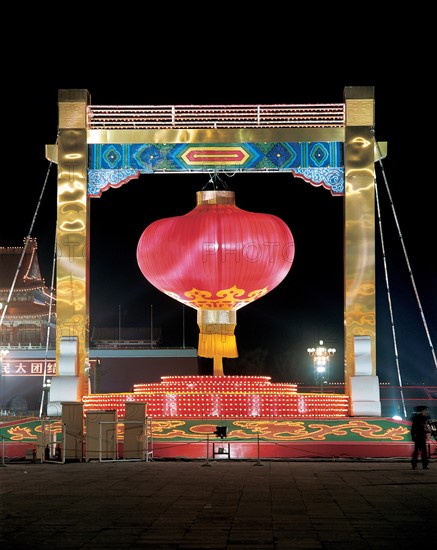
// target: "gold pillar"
[[359, 225], [72, 276]]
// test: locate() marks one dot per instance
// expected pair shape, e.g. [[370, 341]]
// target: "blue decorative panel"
[[111, 165]]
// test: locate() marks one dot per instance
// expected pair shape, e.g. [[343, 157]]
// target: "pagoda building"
[[26, 316]]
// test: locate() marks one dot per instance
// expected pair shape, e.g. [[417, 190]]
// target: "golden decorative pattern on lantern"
[[231, 298]]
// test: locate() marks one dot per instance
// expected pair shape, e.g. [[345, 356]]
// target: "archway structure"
[[328, 145]]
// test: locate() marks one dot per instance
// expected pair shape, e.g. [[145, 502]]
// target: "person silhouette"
[[419, 433], [58, 452]]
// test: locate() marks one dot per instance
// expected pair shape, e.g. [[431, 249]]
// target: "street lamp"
[[46, 393], [321, 357]]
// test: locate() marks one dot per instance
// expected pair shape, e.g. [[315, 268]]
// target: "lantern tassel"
[[218, 366], [212, 345], [217, 338]]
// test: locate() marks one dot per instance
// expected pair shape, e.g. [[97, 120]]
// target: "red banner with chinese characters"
[[28, 367]]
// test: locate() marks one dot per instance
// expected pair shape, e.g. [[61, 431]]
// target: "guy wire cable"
[[387, 284], [49, 317], [26, 242], [407, 261]]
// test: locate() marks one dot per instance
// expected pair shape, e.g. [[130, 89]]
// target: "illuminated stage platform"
[[220, 397], [263, 420]]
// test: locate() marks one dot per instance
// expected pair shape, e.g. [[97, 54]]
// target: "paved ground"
[[222, 504]]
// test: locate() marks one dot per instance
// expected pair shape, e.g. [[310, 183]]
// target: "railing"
[[21, 346], [124, 344], [215, 116]]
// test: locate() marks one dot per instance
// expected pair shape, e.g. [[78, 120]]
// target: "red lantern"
[[216, 259]]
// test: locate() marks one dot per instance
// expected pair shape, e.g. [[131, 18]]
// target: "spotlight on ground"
[[221, 431]]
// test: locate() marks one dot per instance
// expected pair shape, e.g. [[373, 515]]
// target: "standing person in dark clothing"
[[58, 452], [419, 433]]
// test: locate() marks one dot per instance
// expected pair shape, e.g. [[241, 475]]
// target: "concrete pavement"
[[221, 504]]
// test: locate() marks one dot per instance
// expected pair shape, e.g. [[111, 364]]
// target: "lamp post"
[[46, 386], [321, 357]]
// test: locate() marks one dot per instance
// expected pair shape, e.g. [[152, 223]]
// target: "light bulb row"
[[225, 406]]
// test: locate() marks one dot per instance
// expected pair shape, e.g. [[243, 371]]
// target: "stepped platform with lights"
[[263, 420], [219, 397]]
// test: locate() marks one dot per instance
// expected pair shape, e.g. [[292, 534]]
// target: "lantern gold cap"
[[215, 197]]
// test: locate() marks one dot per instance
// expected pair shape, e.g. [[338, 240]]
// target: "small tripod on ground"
[[433, 438]]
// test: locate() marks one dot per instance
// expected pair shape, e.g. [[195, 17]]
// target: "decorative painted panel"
[[112, 165]]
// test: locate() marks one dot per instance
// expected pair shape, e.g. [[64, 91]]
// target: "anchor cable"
[[387, 279]]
